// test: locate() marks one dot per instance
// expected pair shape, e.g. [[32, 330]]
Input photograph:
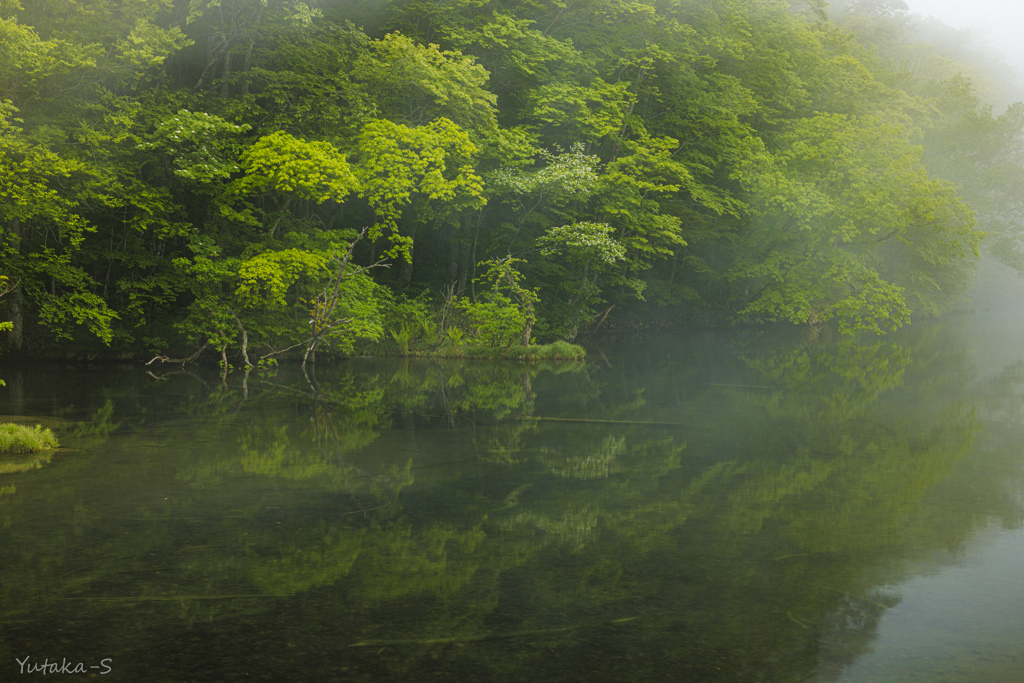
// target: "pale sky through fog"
[[999, 22]]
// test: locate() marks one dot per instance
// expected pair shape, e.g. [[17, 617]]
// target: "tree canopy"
[[176, 176]]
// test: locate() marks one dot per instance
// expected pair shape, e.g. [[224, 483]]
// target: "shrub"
[[21, 439], [495, 322]]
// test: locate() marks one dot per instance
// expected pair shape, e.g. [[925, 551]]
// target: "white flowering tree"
[[201, 148], [586, 251], [507, 293], [566, 177]]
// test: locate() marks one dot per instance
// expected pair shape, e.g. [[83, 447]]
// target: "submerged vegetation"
[[261, 179], [15, 438]]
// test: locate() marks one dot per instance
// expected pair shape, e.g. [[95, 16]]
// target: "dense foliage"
[[268, 175]]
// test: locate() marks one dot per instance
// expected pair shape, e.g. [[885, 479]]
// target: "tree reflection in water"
[[720, 507]]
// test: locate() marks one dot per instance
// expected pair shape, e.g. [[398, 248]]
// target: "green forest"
[[259, 179]]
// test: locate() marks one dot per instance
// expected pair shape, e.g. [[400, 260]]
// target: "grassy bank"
[[16, 438], [560, 350]]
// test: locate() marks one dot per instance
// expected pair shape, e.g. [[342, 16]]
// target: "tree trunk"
[[16, 337], [463, 267], [245, 69], [453, 255], [461, 246], [211, 61], [224, 363], [375, 249], [225, 78], [529, 324], [245, 341], [472, 257]]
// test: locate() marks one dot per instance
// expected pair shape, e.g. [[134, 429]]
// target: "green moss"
[[21, 439]]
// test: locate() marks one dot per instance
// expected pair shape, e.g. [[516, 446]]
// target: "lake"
[[710, 506]]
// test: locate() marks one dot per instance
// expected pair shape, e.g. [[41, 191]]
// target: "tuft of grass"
[[16, 438]]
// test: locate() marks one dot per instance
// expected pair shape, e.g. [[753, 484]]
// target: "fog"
[[994, 23]]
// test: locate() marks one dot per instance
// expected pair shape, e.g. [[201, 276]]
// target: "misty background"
[[987, 33], [992, 23]]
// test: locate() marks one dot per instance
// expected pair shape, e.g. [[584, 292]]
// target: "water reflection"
[[715, 507]]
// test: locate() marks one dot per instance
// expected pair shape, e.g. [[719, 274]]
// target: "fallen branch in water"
[[460, 639], [484, 636], [852, 598], [165, 359]]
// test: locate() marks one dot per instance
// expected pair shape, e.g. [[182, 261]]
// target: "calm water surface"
[[706, 507]]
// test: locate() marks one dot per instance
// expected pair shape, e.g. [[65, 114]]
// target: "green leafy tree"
[[398, 163], [840, 206], [44, 230], [587, 251], [507, 292]]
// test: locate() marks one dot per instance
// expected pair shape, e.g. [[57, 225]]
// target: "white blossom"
[[586, 236]]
